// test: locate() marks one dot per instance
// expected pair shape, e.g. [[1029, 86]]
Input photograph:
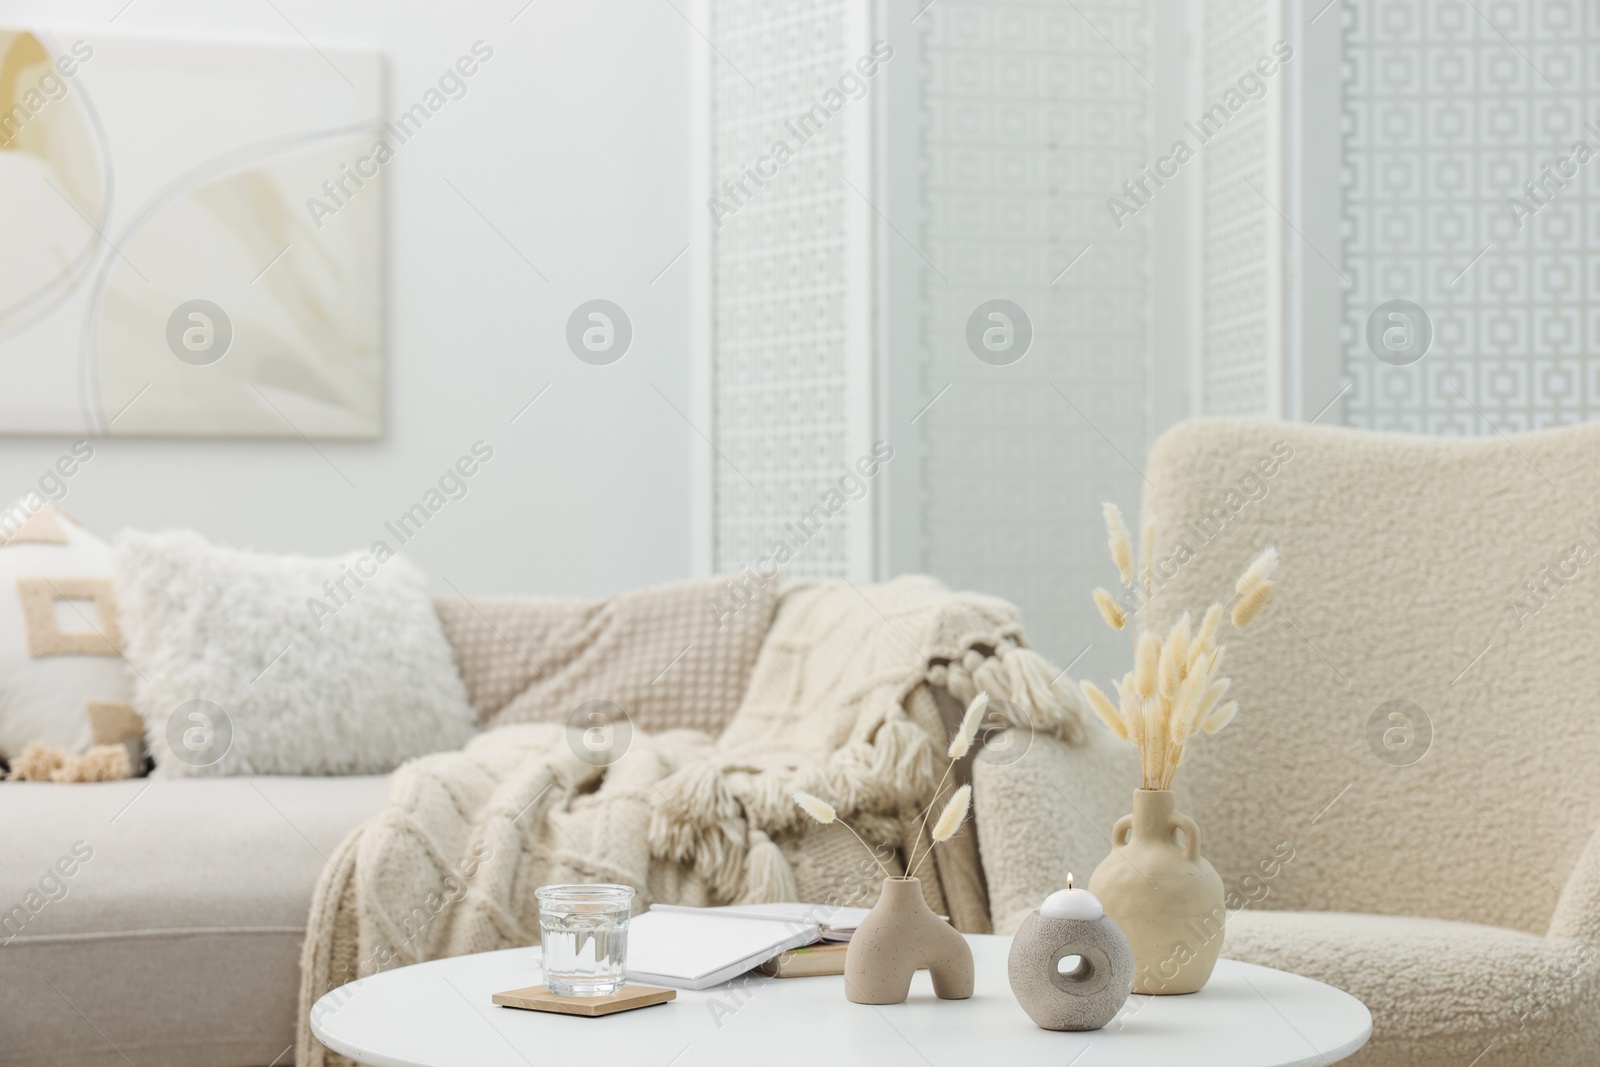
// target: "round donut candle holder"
[[1070, 926]]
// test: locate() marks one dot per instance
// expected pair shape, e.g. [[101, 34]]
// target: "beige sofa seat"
[[161, 920]]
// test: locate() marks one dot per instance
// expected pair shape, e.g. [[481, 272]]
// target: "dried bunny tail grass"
[[814, 806], [1121, 543], [953, 815], [1221, 717], [825, 814], [1173, 692], [1155, 725], [1132, 717], [1111, 609], [950, 820], [961, 743], [1145, 661], [1147, 551], [1213, 695], [1166, 673], [1251, 603], [1260, 570], [1179, 641], [1105, 709], [1207, 637], [1173, 764], [1186, 708]]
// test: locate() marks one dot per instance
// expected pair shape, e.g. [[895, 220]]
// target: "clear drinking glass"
[[584, 932]]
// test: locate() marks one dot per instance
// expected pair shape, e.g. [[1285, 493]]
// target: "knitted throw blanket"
[[843, 703], [450, 866], [852, 698]]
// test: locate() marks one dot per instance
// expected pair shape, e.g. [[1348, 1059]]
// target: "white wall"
[[573, 142]]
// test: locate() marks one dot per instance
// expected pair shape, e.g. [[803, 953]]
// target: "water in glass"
[[584, 933]]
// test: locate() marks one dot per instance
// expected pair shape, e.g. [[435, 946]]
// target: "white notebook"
[[835, 921], [696, 948]]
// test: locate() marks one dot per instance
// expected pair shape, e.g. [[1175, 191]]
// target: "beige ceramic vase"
[[1164, 895], [899, 935]]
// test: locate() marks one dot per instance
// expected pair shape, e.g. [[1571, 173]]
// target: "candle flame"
[[1069, 879]]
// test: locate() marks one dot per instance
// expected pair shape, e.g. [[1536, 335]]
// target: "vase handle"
[[1191, 834], [1121, 831]]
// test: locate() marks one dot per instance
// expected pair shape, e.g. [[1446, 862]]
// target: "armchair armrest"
[[1046, 814], [1577, 914]]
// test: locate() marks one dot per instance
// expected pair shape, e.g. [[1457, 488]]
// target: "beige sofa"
[[170, 910], [162, 921], [1406, 805]]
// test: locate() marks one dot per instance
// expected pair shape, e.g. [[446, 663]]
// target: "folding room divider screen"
[[1382, 213]]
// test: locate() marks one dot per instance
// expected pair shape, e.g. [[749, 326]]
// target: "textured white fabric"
[[307, 682], [1047, 815], [1410, 572], [1449, 994], [44, 698]]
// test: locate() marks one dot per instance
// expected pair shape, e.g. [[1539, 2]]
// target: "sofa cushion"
[[248, 663], [1441, 993], [161, 920], [675, 656], [60, 640]]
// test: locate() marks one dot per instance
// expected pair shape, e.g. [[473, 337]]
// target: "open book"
[[696, 948]]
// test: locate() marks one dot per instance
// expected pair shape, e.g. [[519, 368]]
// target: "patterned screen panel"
[[1472, 214], [1033, 116], [1236, 216], [782, 402]]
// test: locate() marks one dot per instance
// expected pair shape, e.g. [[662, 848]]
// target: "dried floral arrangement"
[[950, 819], [1173, 691]]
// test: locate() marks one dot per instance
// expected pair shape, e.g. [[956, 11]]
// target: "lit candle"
[[1070, 903]]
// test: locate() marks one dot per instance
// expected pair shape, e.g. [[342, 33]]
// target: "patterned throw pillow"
[[63, 681], [670, 657]]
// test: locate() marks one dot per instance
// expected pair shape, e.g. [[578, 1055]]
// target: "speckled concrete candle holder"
[[1086, 997]]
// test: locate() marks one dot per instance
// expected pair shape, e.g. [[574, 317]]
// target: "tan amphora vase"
[[900, 935], [1163, 894]]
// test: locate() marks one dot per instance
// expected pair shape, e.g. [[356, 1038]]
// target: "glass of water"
[[584, 932]]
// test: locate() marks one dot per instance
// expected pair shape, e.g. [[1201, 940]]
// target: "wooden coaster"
[[539, 998]]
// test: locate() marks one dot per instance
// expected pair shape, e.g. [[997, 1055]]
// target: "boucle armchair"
[[1407, 804]]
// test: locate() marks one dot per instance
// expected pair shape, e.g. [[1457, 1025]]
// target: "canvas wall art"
[[192, 236]]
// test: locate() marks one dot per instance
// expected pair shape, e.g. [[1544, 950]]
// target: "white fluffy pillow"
[[253, 664]]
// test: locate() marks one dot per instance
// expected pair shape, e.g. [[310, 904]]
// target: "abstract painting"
[[192, 236]]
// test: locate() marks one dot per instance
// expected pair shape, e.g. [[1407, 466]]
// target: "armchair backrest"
[[1419, 724]]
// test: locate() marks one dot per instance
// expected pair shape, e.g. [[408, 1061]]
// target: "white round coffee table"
[[438, 1015]]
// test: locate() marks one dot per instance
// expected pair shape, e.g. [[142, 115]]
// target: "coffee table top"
[[438, 1014]]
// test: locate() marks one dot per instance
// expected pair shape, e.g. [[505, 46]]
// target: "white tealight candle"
[[1070, 903]]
